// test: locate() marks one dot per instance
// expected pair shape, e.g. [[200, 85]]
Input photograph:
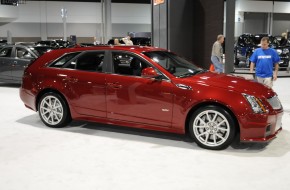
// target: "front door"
[[132, 98]]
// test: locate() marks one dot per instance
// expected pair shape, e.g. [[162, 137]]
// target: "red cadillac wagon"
[[149, 88]]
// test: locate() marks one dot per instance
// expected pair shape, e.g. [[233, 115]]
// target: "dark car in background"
[[15, 58], [243, 49], [63, 43], [247, 43], [3, 43], [25, 43], [141, 41], [43, 49], [51, 43]]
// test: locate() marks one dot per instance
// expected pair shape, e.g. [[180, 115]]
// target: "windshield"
[[174, 64], [35, 51], [272, 40]]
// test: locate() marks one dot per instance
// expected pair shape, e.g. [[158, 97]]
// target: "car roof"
[[137, 49], [17, 45]]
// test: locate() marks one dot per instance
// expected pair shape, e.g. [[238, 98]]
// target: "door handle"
[[115, 85], [71, 79], [14, 63]]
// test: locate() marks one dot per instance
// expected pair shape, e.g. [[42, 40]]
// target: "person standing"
[[217, 53], [283, 41], [116, 42], [96, 42], [265, 58]]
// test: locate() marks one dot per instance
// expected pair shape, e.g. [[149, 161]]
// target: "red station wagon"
[[149, 88]]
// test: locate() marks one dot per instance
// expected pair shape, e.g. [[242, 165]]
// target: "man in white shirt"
[[127, 40]]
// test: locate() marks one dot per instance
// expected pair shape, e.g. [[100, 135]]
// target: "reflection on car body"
[[149, 88]]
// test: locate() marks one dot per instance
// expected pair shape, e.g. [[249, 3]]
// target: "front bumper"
[[261, 127]]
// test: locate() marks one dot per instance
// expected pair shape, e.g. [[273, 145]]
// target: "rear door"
[[84, 79]]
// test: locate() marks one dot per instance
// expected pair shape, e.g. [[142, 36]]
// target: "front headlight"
[[285, 51], [255, 104], [279, 51]]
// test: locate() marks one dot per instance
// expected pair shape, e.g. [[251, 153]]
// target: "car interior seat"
[[136, 67], [87, 63], [117, 62]]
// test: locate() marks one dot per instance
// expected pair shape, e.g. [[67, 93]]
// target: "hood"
[[230, 82]]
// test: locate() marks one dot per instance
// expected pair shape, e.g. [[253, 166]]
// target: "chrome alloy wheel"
[[51, 110], [211, 128]]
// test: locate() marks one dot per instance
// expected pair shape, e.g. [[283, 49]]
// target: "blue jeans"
[[218, 66]]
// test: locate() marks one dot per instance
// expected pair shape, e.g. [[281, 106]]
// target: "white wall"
[[252, 6], [8, 12], [80, 12], [131, 13], [43, 19]]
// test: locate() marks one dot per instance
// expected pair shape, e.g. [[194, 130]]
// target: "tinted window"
[[174, 64], [23, 53], [40, 50], [127, 64], [6, 52], [64, 59], [90, 61]]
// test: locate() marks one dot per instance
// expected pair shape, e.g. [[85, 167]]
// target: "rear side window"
[[6, 52], [89, 61], [64, 59]]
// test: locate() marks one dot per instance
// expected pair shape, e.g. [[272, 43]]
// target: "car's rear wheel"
[[237, 61], [212, 127], [53, 110]]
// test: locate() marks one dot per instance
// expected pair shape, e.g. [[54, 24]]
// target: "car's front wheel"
[[53, 110], [212, 127]]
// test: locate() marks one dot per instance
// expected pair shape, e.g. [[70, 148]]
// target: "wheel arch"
[[47, 90], [194, 108]]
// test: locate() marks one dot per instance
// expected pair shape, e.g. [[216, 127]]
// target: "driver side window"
[[22, 53]]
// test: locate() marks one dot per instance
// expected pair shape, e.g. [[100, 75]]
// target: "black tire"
[[212, 127], [237, 62], [53, 110]]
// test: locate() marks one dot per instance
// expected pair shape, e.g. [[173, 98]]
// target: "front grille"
[[275, 103]]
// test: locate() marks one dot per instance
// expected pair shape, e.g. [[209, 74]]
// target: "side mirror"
[[150, 72]]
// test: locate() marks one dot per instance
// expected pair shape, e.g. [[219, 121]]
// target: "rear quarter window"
[[59, 63]]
